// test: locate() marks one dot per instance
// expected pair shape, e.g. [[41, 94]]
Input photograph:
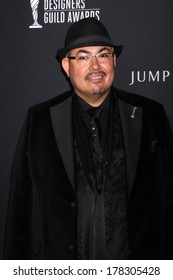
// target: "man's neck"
[[86, 106], [94, 100]]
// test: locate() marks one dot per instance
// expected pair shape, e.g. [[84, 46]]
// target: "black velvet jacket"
[[41, 221]]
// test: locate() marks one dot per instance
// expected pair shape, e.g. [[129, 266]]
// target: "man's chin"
[[97, 90]]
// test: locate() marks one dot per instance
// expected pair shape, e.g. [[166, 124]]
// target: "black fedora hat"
[[86, 32]]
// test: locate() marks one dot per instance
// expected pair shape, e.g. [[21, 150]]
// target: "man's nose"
[[94, 62]]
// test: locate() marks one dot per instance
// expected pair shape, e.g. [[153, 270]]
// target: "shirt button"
[[73, 204], [71, 247], [99, 187]]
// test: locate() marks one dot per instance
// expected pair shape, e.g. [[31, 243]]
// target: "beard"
[[96, 90]]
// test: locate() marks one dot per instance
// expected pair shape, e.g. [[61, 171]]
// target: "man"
[[92, 172]]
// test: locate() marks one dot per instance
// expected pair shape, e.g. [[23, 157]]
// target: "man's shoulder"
[[46, 105], [137, 100]]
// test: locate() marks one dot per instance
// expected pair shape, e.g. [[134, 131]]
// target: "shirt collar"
[[85, 106]]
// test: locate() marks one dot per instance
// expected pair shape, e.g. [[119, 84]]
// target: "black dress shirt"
[[97, 235]]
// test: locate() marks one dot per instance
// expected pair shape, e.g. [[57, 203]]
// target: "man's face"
[[92, 77]]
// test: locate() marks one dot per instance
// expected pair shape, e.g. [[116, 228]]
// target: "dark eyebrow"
[[82, 51], [104, 49], [88, 52]]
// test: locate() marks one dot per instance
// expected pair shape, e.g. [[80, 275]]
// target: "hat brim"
[[61, 53]]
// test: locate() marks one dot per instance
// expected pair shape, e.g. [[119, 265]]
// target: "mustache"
[[93, 73]]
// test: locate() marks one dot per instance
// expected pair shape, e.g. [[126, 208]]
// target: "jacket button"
[[73, 204], [71, 247]]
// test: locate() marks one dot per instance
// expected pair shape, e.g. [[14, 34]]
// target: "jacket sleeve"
[[168, 139], [19, 215]]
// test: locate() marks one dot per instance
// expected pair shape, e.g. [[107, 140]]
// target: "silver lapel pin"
[[133, 112]]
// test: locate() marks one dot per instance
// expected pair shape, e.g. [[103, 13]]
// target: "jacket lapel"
[[61, 116], [131, 120]]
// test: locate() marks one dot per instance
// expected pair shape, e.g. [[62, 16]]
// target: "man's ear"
[[65, 65], [115, 60]]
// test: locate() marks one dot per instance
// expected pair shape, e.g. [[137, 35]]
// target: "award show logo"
[[34, 6], [61, 11]]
